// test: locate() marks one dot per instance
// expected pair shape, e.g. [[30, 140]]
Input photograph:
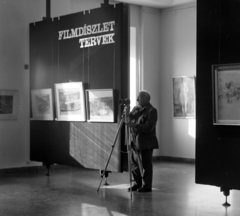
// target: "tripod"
[[129, 148]]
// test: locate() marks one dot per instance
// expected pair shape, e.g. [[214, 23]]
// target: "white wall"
[[166, 47], [14, 53], [178, 58], [150, 74], [146, 22]]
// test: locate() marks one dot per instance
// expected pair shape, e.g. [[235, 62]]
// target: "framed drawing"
[[42, 104], [100, 105], [226, 94], [70, 101], [8, 104], [184, 97]]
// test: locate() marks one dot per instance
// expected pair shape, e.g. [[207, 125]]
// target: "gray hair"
[[145, 94]]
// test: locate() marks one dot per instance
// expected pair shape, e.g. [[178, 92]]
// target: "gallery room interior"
[[68, 68]]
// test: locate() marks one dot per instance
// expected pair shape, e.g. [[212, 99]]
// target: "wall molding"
[[53, 168], [151, 10], [180, 7], [174, 159], [36, 169]]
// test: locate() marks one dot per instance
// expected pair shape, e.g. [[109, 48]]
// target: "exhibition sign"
[[83, 50], [100, 28]]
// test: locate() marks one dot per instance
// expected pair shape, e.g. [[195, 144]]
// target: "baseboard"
[[174, 159], [33, 169], [36, 169]]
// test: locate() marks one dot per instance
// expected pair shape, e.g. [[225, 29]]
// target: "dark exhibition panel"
[[90, 47], [217, 114]]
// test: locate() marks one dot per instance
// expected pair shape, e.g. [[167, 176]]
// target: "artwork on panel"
[[184, 97], [70, 101], [226, 94], [42, 104], [100, 105], [8, 104]]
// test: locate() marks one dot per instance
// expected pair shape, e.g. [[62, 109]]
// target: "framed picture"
[[70, 101], [184, 97], [42, 104], [100, 105], [8, 104], [226, 94]]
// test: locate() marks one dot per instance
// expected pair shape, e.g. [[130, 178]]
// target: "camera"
[[125, 101]]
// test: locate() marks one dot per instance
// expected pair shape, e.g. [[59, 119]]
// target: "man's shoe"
[[142, 189], [134, 188]]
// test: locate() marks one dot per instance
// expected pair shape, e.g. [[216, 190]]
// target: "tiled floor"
[[73, 192]]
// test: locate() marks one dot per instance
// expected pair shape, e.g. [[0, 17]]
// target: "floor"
[[73, 192]]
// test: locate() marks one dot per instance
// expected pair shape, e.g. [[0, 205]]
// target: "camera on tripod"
[[125, 101]]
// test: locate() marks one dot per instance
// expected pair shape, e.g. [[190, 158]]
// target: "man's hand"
[[126, 110], [131, 124]]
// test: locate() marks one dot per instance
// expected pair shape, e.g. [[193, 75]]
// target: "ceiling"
[[158, 3]]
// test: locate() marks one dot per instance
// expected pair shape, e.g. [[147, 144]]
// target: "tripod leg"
[[104, 172], [106, 176], [106, 183], [100, 183], [130, 168], [48, 166], [114, 142]]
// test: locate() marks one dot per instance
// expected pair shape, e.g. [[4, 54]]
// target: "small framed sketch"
[[70, 101], [100, 105], [42, 104], [8, 104], [184, 97], [226, 94]]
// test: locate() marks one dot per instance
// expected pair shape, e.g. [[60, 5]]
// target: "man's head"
[[143, 98]]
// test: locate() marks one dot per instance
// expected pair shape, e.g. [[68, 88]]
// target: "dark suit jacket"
[[144, 135]]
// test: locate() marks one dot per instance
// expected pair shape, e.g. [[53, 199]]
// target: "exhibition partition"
[[217, 103], [70, 56]]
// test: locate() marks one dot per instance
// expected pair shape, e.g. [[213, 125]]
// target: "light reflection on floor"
[[73, 192]]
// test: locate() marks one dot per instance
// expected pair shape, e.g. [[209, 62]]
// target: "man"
[[142, 121]]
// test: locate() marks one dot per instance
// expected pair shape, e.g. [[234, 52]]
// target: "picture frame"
[[226, 94], [8, 104], [70, 101], [100, 105], [184, 97], [42, 104]]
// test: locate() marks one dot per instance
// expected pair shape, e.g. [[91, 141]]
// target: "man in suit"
[[142, 122]]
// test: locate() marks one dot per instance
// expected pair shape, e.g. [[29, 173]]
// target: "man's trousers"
[[145, 158]]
